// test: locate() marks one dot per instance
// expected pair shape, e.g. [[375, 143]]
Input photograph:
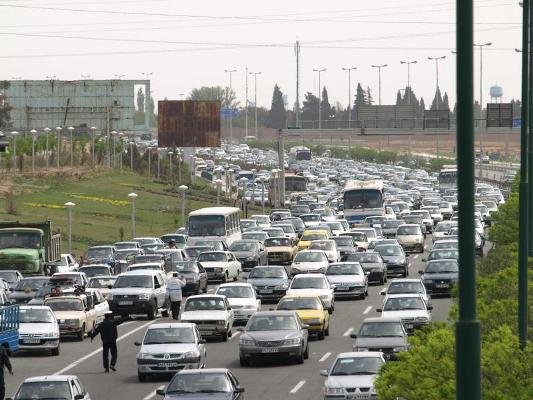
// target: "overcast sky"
[[187, 44]]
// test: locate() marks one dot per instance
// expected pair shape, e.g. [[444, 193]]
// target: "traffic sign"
[[517, 122], [229, 112]]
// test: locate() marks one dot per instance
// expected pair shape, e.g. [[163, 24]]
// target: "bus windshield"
[[367, 198], [207, 225], [448, 177], [295, 184]]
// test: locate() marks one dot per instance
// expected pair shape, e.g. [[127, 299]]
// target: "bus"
[[362, 199], [214, 223], [299, 153], [295, 183], [447, 178]]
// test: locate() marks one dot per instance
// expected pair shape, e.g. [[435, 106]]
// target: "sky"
[[187, 44]]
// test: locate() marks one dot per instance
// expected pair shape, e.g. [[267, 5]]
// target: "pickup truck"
[[76, 314]]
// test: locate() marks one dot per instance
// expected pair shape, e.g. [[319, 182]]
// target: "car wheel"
[[205, 287], [243, 362], [142, 377], [405, 273], [331, 308], [225, 279], [55, 352], [306, 351], [225, 336], [151, 312], [326, 332], [81, 333], [322, 334], [366, 291], [300, 358], [236, 277]]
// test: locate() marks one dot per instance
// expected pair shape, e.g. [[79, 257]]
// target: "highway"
[[261, 382]]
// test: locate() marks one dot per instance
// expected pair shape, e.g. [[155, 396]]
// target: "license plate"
[[442, 285], [266, 291], [125, 303], [408, 326], [270, 350], [342, 288], [31, 341], [167, 365]]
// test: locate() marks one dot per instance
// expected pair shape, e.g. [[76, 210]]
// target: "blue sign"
[[517, 122], [229, 112]]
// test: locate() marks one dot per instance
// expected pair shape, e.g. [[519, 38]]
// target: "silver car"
[[274, 334], [348, 279]]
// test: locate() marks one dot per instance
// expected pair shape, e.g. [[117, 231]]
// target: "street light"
[[408, 63], [69, 207], [480, 46], [131, 154], [349, 69], [319, 96], [255, 99], [230, 72], [14, 134], [183, 189], [46, 132], [273, 186], [114, 136], [171, 174], [132, 196], [379, 77], [437, 59], [262, 180], [58, 144], [71, 129], [93, 129], [218, 182], [149, 150], [33, 133], [121, 137]]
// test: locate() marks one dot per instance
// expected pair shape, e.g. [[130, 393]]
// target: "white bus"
[[362, 199], [214, 223], [448, 178]]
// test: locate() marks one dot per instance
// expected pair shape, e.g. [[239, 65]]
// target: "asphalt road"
[[261, 382]]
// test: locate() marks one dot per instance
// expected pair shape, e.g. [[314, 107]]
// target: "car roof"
[[204, 296], [235, 284], [33, 307], [274, 312], [202, 371], [382, 319], [52, 378], [406, 280], [396, 296], [311, 275], [142, 272], [171, 325], [360, 354], [300, 295]]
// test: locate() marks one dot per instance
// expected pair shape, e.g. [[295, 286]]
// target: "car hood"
[[199, 396], [37, 328], [271, 335], [383, 341], [267, 281], [213, 264], [369, 266], [130, 291], [69, 314], [408, 238], [311, 292], [393, 259], [243, 254], [335, 279], [405, 314], [350, 381], [279, 249], [204, 315], [235, 301], [446, 276], [168, 348]]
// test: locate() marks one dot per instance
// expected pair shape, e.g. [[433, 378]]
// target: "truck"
[[9, 328], [30, 248]]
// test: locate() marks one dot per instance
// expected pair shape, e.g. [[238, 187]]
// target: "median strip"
[[367, 310], [347, 333]]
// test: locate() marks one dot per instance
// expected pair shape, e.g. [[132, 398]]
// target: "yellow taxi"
[[310, 235], [311, 311]]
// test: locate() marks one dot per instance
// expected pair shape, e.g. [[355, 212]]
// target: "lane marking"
[[347, 333], [325, 357], [367, 310], [297, 387], [210, 290], [415, 257], [152, 394], [234, 335], [92, 353]]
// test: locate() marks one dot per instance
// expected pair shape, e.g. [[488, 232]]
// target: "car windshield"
[[404, 303], [63, 304], [356, 366], [255, 235], [240, 292], [148, 258], [408, 230], [405, 287], [381, 329], [443, 227], [58, 390], [278, 242], [299, 303], [309, 236], [179, 239], [94, 271], [370, 233], [309, 256], [125, 245], [413, 220], [365, 257], [205, 304], [286, 228], [358, 236], [311, 218], [244, 246], [124, 254], [99, 283], [391, 224], [344, 241], [344, 269], [9, 276], [186, 266], [321, 245], [169, 335], [309, 283], [99, 252], [448, 244], [36, 315], [388, 250], [272, 323], [261, 273], [438, 254], [144, 266], [142, 281], [76, 278], [442, 266], [212, 257], [193, 252], [31, 284], [199, 383]]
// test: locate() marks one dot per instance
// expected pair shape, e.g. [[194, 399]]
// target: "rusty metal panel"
[[188, 123]]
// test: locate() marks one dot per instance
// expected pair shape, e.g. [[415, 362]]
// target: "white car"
[[435, 213], [211, 313], [370, 233], [315, 285], [64, 387], [262, 220], [407, 286], [67, 263], [410, 237], [327, 246], [242, 299], [288, 230], [426, 219], [410, 308], [38, 329], [309, 261], [101, 306], [220, 265]]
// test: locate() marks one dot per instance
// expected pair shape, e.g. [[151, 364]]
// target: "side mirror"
[[424, 259], [110, 287], [367, 273], [79, 397], [323, 372], [379, 310], [137, 343], [239, 389], [353, 335], [160, 392], [430, 307], [202, 341], [87, 309], [157, 286]]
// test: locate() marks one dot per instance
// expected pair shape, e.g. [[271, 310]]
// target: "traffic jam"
[[264, 289]]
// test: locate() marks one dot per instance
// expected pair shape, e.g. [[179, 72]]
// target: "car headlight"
[[50, 335], [143, 356], [221, 322], [144, 296], [283, 286], [247, 342], [421, 319], [399, 348], [333, 390], [293, 341], [324, 296], [191, 354]]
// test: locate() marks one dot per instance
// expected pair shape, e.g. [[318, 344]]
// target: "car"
[[27, 288], [100, 255], [327, 246], [99, 302], [77, 278], [395, 258], [95, 270], [242, 299], [280, 250], [269, 281], [360, 239], [389, 228], [212, 383], [386, 335], [262, 220], [352, 375], [139, 292], [194, 275], [212, 314], [310, 219], [103, 283], [220, 265], [426, 219], [274, 334], [410, 308], [75, 314], [247, 223], [288, 230], [410, 237], [219, 245], [123, 258], [180, 241], [348, 279], [249, 253], [373, 265], [345, 245], [126, 245], [147, 241], [299, 209], [167, 348], [309, 261], [316, 284], [369, 232], [435, 213], [12, 277], [38, 329], [442, 253], [153, 266], [64, 387], [191, 253], [311, 311], [442, 229], [407, 286], [440, 276], [448, 243]]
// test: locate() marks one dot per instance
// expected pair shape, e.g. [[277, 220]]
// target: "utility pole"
[[281, 166], [379, 78], [297, 111], [530, 147], [408, 63], [246, 107], [467, 329], [319, 97], [349, 69], [480, 46], [230, 71], [436, 59], [255, 99]]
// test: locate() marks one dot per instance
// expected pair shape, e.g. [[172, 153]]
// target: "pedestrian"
[[108, 333], [174, 285], [4, 363]]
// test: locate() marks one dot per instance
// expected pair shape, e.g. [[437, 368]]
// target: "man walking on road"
[[108, 333], [4, 362], [174, 285]]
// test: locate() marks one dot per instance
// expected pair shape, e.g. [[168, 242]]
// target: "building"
[[105, 104]]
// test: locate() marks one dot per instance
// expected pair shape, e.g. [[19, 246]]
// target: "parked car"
[[212, 314]]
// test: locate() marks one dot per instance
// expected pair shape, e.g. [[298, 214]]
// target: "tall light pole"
[[230, 72], [131, 154], [149, 151], [132, 196], [71, 129], [58, 144], [14, 135], [93, 129], [183, 190], [437, 59], [114, 136], [480, 47], [379, 78], [69, 207], [255, 99], [349, 69], [408, 63], [246, 104], [263, 194], [46, 132], [121, 137], [319, 96], [33, 133]]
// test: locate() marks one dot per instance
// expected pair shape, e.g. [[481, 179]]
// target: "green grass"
[[102, 208]]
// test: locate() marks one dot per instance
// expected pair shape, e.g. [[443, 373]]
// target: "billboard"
[[499, 115], [188, 123], [439, 119], [387, 116]]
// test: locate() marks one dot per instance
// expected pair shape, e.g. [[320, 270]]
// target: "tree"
[[437, 101], [445, 103], [310, 107], [325, 107], [399, 100], [360, 96], [369, 98], [5, 109], [151, 113], [277, 117], [140, 100], [226, 95], [422, 106]]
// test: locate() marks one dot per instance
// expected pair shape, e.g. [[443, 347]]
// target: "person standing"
[[108, 333], [4, 363], [174, 285]]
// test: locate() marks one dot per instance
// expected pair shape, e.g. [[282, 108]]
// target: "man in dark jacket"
[[108, 333], [4, 363]]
